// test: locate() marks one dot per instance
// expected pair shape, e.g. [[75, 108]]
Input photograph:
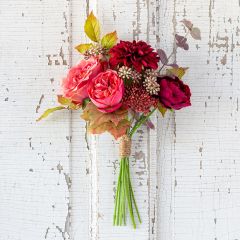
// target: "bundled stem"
[[124, 198]]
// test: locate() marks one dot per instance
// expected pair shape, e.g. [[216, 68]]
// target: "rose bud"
[[75, 85], [106, 91], [173, 93]]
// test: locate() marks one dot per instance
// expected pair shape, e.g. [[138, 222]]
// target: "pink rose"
[[76, 83], [173, 93], [106, 91]]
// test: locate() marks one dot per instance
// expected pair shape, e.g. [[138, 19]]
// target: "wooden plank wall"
[[185, 172]]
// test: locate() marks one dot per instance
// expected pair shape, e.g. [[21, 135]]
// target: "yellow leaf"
[[115, 123], [67, 102], [177, 71], [92, 28], [82, 48], [109, 40], [48, 111], [162, 109]]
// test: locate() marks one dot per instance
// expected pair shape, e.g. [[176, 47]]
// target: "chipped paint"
[[184, 173], [224, 60], [46, 233], [31, 45], [68, 180], [39, 103], [59, 168]]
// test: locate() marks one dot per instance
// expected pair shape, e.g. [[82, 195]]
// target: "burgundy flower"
[[138, 99], [137, 54], [173, 93]]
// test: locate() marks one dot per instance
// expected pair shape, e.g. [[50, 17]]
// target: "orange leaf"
[[120, 130], [115, 123]]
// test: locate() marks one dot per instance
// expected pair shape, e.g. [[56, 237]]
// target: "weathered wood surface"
[[34, 158], [185, 173]]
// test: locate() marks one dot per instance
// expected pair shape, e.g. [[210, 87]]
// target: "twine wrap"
[[125, 146]]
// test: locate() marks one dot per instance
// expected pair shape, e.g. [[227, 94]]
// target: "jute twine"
[[125, 146]]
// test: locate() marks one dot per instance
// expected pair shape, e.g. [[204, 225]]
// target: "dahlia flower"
[[138, 54]]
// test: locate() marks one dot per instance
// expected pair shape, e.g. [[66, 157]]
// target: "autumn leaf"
[[188, 24], [48, 111], [163, 56], [109, 40], [196, 33], [120, 130], [82, 48], [92, 28], [67, 102], [174, 65], [181, 42], [91, 113], [178, 72], [162, 109], [115, 123]]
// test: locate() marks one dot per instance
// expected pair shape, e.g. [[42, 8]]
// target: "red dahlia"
[[138, 99], [137, 54]]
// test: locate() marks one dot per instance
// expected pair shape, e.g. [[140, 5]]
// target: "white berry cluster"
[[151, 85], [95, 51], [125, 73]]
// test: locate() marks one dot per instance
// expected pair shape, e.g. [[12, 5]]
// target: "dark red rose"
[[137, 54], [173, 93]]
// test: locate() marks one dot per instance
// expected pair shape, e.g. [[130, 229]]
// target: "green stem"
[[124, 193], [134, 200], [116, 198], [128, 194], [143, 118]]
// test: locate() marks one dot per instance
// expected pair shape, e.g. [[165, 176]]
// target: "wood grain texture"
[[34, 157], [206, 148], [185, 172]]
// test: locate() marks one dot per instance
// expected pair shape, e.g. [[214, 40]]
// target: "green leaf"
[[48, 111], [109, 40], [82, 48], [67, 102], [162, 109], [92, 28], [85, 102]]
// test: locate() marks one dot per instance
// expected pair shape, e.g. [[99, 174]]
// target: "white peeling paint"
[[185, 172]]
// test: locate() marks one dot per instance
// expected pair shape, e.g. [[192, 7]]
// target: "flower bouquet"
[[119, 86]]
